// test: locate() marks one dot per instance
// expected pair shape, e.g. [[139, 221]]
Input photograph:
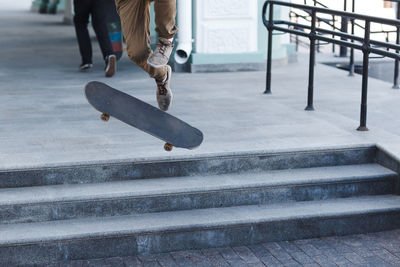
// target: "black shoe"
[[111, 66], [85, 66]]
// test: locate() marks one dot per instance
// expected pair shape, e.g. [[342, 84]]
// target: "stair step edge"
[[192, 184], [26, 233]]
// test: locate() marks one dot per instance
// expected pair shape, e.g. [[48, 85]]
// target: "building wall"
[[230, 32]]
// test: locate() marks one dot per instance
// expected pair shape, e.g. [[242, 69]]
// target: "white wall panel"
[[226, 26]]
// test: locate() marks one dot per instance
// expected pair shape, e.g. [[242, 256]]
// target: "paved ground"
[[377, 249], [45, 120]]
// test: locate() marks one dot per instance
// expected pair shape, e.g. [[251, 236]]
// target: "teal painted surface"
[[60, 4], [262, 33], [36, 3], [152, 21], [279, 50]]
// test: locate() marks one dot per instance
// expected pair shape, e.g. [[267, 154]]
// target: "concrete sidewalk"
[[45, 119]]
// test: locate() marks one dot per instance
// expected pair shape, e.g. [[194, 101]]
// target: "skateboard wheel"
[[105, 117], [168, 147]]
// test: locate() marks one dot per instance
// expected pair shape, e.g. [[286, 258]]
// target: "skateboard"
[[145, 117], [114, 30]]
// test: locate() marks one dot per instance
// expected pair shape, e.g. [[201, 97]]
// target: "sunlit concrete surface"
[[45, 119]]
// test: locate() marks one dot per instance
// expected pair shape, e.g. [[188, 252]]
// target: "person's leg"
[[99, 22], [135, 21], [165, 12], [81, 20]]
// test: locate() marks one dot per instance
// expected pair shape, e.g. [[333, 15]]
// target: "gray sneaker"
[[164, 93], [161, 54]]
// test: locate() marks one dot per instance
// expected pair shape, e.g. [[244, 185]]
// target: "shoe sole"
[[85, 69], [111, 66]]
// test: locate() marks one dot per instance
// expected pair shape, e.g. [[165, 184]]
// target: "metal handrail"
[[316, 2], [333, 12], [363, 44], [340, 34], [356, 24], [319, 19], [331, 23]]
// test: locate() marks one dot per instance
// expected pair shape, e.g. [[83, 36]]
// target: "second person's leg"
[[81, 20], [99, 21]]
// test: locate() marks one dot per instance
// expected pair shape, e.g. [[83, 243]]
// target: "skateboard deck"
[[114, 30], [143, 116]]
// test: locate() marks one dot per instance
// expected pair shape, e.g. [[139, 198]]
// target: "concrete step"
[[185, 166], [47, 242], [60, 202]]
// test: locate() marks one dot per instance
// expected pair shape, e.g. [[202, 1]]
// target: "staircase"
[[153, 206]]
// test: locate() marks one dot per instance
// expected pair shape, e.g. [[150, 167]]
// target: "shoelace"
[[161, 86], [162, 47], [161, 89]]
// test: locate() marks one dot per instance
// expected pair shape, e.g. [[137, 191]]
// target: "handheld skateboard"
[[113, 103], [114, 29]]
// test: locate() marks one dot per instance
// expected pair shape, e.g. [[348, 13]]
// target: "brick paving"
[[374, 249]]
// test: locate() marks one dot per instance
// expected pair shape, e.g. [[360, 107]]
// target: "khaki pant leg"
[[165, 12], [135, 20]]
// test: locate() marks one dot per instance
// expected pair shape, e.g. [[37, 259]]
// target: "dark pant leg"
[[100, 13], [81, 19]]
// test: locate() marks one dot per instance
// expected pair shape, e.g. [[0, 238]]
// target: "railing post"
[[333, 29], [269, 60], [396, 62], [351, 70], [387, 40], [310, 98], [318, 42], [297, 36], [343, 49], [366, 51]]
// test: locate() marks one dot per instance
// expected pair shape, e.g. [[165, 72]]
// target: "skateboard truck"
[[167, 146]]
